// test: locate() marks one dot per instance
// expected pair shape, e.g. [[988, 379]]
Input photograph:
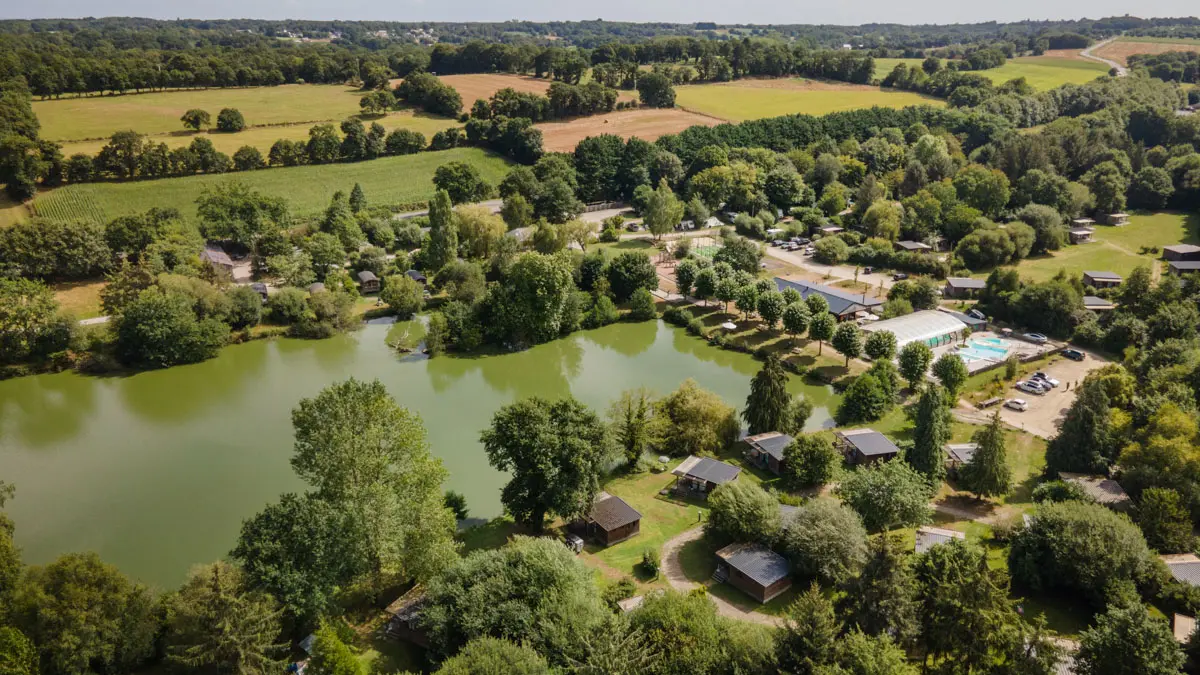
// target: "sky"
[[676, 11]]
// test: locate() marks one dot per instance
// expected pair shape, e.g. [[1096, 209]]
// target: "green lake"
[[156, 471]]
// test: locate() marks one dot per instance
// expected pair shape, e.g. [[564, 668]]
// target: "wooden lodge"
[[754, 569], [698, 476], [611, 520], [865, 446], [766, 450], [368, 282]]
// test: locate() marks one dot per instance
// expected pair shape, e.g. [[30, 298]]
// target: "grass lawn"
[[662, 519], [1046, 72], [308, 189], [737, 102], [884, 67], [156, 113], [612, 249], [10, 211], [264, 137], [79, 298], [1117, 249]]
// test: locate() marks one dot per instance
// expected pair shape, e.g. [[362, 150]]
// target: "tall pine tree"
[[931, 434], [988, 473], [882, 600], [808, 639], [768, 403], [443, 233], [1084, 442]]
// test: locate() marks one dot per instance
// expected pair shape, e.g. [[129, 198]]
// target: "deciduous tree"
[[888, 495]]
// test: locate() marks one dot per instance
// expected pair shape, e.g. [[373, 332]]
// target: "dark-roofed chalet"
[[1103, 490], [699, 476], [404, 618], [754, 569], [1097, 279], [217, 257], [766, 450], [1097, 304], [912, 246], [1181, 267], [963, 287], [612, 520], [958, 454], [1185, 567], [417, 277], [842, 305], [865, 446], [368, 281], [1181, 252]]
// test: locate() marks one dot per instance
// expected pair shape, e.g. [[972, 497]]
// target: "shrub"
[[696, 327], [1060, 491], [402, 294], [677, 316], [650, 564], [230, 119]]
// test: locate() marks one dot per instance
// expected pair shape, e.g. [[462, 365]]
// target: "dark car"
[[868, 270], [899, 276], [1073, 354]]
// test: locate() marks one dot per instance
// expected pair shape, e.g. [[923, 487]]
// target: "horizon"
[[755, 12]]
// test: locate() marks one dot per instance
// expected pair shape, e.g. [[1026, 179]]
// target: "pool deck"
[[1024, 350]]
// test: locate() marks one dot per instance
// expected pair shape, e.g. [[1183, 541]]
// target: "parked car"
[[976, 314], [899, 276], [868, 270], [1037, 338], [1032, 387], [1017, 404], [1039, 375], [1073, 354], [777, 243]]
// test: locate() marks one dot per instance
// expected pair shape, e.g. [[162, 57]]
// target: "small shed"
[[699, 476], [315, 288], [928, 537], [417, 277], [1181, 252], [1097, 304], [1098, 279], [261, 289], [368, 282], [1185, 567], [754, 569], [1103, 490], [958, 454], [865, 446], [218, 258], [912, 246], [1183, 626], [611, 520], [1080, 236], [1182, 267], [766, 450], [404, 618], [1117, 219], [963, 287]]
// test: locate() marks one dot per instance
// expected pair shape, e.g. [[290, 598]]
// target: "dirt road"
[[673, 572], [1087, 54]]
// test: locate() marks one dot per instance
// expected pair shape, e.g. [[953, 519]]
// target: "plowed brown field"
[[645, 123]]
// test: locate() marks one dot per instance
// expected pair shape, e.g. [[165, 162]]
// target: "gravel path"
[[673, 571], [1087, 54]]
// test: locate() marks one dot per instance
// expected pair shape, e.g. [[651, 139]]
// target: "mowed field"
[[1117, 249], [264, 137], [1120, 49], [73, 119], [1046, 72], [308, 189], [757, 99], [644, 123], [478, 86]]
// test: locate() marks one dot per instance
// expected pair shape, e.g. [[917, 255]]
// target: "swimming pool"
[[984, 349]]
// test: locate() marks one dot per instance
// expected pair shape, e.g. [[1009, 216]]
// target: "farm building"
[[368, 282], [1101, 279], [929, 326], [611, 520], [1117, 219], [766, 450], [1181, 252], [842, 305], [963, 287], [912, 246], [1080, 236], [699, 476], [865, 446], [1103, 490], [928, 537], [958, 454], [1185, 567], [1097, 304], [754, 569], [219, 259], [1181, 267]]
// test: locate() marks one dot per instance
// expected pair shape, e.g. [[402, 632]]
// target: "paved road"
[[1087, 54]]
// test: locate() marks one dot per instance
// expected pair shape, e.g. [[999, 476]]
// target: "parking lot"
[[1046, 410]]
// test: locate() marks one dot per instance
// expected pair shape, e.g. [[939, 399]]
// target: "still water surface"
[[156, 471]]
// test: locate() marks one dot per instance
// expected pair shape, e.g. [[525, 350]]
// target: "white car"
[[1031, 387], [1042, 377], [1018, 404]]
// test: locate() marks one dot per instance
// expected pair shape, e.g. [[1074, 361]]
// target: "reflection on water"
[[156, 471]]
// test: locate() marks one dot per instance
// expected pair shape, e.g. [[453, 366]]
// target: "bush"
[[288, 306], [610, 235], [677, 316], [696, 327], [831, 251], [230, 119], [641, 306], [1060, 491], [623, 589], [403, 295], [650, 564]]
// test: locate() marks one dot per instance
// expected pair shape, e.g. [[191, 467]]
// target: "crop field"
[[308, 189], [885, 66], [73, 119], [645, 123], [757, 99], [1117, 249], [482, 85], [1120, 49], [264, 137], [1046, 72]]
